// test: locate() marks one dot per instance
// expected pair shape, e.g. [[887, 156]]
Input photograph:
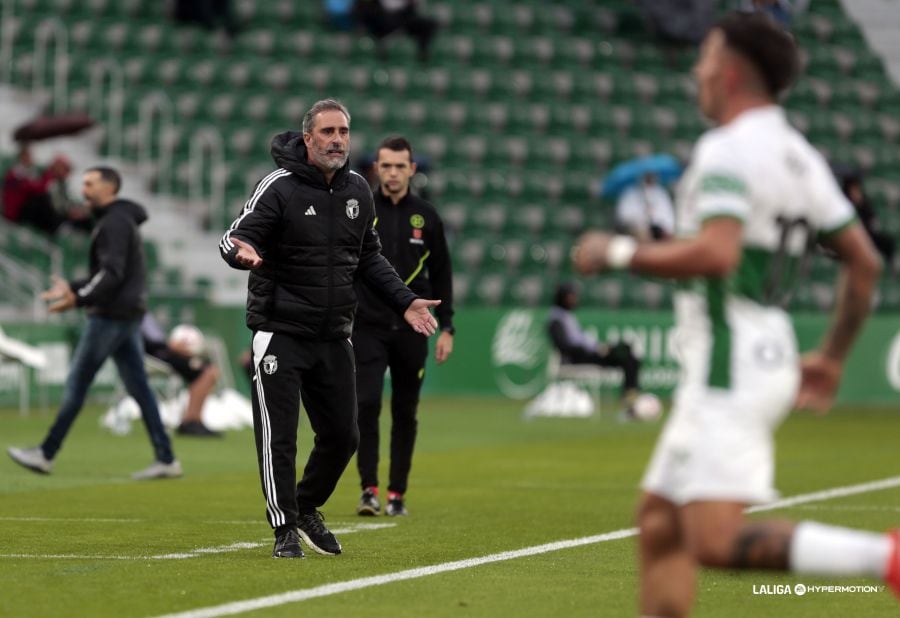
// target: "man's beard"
[[331, 164]]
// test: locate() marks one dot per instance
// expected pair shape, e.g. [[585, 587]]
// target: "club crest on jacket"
[[352, 208]]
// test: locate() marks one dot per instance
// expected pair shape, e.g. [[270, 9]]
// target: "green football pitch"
[[508, 518]]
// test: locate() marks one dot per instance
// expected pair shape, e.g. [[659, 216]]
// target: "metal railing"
[[22, 285], [31, 239], [52, 30], [112, 104], [156, 104], [208, 140], [7, 37]]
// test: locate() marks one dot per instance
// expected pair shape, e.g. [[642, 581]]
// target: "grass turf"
[[484, 481]]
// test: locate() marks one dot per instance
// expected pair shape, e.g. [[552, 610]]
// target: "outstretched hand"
[[419, 317], [60, 295], [246, 255], [589, 253], [820, 377]]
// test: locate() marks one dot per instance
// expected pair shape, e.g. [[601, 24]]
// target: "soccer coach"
[[413, 241], [307, 233]]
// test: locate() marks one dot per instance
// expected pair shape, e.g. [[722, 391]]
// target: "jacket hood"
[[290, 153], [127, 208]]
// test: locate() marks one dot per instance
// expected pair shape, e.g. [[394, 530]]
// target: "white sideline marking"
[[294, 596], [67, 556], [828, 494], [221, 549], [352, 527], [848, 507], [200, 551], [102, 520]]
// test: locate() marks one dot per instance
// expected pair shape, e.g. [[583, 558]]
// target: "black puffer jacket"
[[117, 287], [315, 239]]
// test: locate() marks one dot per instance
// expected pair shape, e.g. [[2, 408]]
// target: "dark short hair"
[[563, 290], [397, 143], [109, 175], [325, 105], [766, 45]]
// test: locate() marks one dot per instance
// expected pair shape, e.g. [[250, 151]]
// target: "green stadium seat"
[[606, 291], [488, 218], [489, 289], [462, 287], [455, 216], [470, 252], [530, 291]]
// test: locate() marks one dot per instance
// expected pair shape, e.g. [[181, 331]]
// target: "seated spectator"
[[575, 346], [384, 17], [883, 241], [28, 195], [198, 373], [645, 210]]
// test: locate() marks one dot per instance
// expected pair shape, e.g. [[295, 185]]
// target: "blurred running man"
[[749, 208]]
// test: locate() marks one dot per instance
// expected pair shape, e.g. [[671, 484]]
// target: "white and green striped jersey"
[[760, 170]]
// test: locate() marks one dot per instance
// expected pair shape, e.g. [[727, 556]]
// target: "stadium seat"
[[490, 289]]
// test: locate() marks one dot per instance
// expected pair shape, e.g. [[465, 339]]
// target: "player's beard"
[[322, 158]]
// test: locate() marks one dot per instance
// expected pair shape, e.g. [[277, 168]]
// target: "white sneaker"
[[31, 458], [159, 470]]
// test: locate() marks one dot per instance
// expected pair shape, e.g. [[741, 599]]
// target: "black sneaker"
[[197, 429], [287, 545], [395, 507], [368, 504], [311, 527]]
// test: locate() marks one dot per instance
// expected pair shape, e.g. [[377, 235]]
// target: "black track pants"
[[322, 374]]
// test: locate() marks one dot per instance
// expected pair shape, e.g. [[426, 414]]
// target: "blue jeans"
[[102, 338]]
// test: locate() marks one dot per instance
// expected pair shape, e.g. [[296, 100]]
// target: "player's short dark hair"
[[397, 143], [766, 45], [109, 175], [325, 105]]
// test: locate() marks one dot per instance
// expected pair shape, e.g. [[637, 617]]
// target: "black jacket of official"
[[117, 285], [413, 241], [315, 239]]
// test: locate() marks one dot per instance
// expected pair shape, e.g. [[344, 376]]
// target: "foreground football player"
[[749, 206]]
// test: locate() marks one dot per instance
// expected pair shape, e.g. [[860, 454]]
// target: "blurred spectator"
[[645, 210], [883, 241], [207, 13], [577, 347], [384, 17], [782, 11], [339, 13], [198, 373], [678, 21], [28, 194]]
